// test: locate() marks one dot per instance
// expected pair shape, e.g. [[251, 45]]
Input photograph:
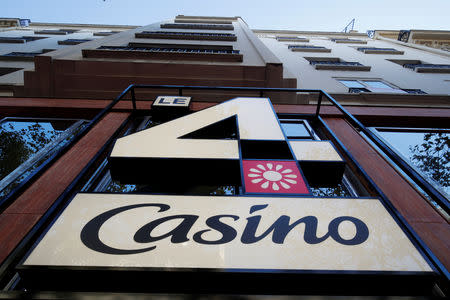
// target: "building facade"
[[379, 162]]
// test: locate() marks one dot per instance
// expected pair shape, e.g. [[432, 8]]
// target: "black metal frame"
[[7, 268]]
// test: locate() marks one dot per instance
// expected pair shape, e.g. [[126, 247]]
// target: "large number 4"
[[219, 145]]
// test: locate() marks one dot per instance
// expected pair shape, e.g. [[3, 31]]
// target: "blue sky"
[[323, 15]]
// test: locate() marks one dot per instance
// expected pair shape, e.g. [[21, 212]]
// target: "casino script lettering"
[[279, 229]]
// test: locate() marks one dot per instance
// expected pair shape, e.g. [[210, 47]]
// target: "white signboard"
[[291, 233]]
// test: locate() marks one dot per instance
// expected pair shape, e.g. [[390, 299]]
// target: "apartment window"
[[56, 31], [166, 51], [336, 64], [291, 39], [26, 143], [308, 48], [374, 50], [198, 26], [348, 41], [5, 71], [19, 40], [369, 85], [186, 35], [73, 41], [105, 33], [297, 129], [427, 150], [421, 66], [375, 86]]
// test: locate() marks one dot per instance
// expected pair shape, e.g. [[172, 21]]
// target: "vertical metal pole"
[[133, 98], [318, 104]]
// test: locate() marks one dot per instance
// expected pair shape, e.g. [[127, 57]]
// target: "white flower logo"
[[269, 176]]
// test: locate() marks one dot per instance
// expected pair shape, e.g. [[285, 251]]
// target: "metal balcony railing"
[[198, 26], [335, 63], [17, 40], [190, 33], [22, 54], [374, 48], [305, 47], [428, 66], [348, 40], [169, 50]]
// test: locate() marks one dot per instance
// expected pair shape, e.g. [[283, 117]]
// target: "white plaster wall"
[[310, 78]]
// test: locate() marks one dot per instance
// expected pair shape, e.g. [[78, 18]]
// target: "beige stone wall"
[[381, 69]]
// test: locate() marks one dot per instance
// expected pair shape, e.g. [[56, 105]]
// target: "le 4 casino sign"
[[275, 224]]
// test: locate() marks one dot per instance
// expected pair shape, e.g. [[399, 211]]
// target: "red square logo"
[[273, 176]]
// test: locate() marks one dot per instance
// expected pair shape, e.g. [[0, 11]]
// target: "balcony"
[[19, 40], [373, 50], [348, 41], [291, 39], [308, 48], [166, 52], [336, 64], [428, 68], [73, 41], [186, 35], [19, 56], [105, 33], [56, 31], [198, 26]]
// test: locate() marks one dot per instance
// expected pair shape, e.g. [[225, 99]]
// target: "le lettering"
[[182, 233]]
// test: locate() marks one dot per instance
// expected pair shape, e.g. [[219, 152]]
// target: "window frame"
[[186, 35], [375, 130], [39, 156], [369, 89]]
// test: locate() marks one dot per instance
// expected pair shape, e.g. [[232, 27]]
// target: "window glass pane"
[[428, 151], [25, 144], [107, 184], [351, 83], [377, 84], [295, 130], [337, 191]]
